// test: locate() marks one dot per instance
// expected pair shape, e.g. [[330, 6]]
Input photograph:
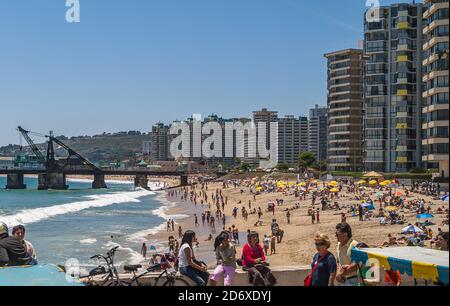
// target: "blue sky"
[[129, 64]]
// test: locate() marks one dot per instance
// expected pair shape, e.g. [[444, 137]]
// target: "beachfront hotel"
[[292, 138], [345, 109], [436, 93], [318, 132], [393, 88]]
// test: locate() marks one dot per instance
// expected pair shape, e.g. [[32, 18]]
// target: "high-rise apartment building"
[[345, 110], [267, 117], [292, 138], [318, 132], [435, 128], [160, 137], [393, 88]]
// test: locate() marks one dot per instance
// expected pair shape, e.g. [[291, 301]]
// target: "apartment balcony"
[[434, 91], [434, 74], [434, 8], [435, 157], [433, 25], [436, 123], [431, 59], [437, 140], [402, 92], [434, 41], [434, 107], [403, 58]]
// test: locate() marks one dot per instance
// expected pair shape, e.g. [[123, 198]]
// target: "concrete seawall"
[[286, 276]]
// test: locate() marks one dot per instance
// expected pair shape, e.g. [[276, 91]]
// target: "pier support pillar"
[[15, 181], [56, 181], [141, 180], [99, 181], [183, 180]]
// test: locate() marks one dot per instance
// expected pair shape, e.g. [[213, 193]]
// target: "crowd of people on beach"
[[394, 203]]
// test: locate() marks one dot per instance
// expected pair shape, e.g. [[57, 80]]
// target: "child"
[[266, 242], [226, 259], [273, 243]]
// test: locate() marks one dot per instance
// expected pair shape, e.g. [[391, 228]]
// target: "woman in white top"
[[188, 265]]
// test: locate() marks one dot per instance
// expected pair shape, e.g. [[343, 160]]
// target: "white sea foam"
[[117, 182], [132, 256], [28, 216], [161, 211], [88, 241], [141, 236]]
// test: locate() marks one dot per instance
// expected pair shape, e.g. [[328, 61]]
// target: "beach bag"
[[262, 276], [308, 280]]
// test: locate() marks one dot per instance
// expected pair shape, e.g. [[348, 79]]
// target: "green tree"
[[283, 167], [245, 167], [306, 160]]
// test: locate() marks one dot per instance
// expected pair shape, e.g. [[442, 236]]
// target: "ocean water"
[[81, 222]]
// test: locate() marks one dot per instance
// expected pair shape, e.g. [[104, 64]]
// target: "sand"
[[297, 247]]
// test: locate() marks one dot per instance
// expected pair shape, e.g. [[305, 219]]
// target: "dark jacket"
[[12, 252]]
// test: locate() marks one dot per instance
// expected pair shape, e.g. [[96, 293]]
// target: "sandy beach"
[[297, 247]]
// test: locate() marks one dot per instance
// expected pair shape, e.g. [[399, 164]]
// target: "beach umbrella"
[[368, 206], [379, 194], [373, 183], [334, 190], [333, 184], [388, 182], [398, 193], [424, 216], [445, 198], [372, 175], [361, 182], [410, 229], [301, 184], [391, 208], [383, 184]]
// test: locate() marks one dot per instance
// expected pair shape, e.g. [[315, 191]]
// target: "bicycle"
[[111, 276], [166, 278]]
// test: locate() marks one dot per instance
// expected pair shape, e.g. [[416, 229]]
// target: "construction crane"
[[51, 164], [51, 155], [32, 145]]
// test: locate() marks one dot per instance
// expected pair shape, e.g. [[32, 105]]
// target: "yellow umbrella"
[[361, 182], [291, 184], [335, 190], [391, 208], [373, 182], [258, 189], [388, 182], [384, 184], [333, 183], [301, 184]]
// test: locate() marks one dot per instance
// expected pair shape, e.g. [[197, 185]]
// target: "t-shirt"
[[266, 241], [182, 259], [344, 254], [13, 252], [325, 267]]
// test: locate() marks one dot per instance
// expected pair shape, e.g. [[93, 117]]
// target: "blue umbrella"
[[368, 206], [424, 216], [445, 198]]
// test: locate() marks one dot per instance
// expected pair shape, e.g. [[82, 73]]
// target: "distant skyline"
[[130, 64]]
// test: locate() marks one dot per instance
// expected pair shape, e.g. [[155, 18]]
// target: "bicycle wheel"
[[175, 282]]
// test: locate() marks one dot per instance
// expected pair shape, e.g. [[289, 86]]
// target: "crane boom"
[[74, 153], [32, 145]]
